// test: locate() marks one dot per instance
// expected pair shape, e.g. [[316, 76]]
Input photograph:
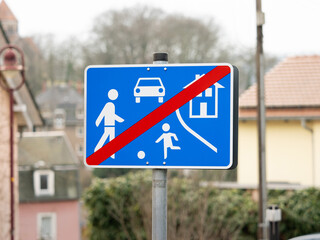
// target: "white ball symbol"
[[141, 154]]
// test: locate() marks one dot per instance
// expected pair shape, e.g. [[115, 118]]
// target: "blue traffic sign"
[[161, 116]]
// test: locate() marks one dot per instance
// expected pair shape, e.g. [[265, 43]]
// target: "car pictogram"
[[149, 87]]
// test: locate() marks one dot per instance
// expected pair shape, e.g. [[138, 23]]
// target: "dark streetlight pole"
[[8, 70]]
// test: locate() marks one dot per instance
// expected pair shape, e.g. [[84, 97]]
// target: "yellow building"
[[292, 90]]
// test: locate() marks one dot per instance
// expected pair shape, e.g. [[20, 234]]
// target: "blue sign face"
[[201, 133]]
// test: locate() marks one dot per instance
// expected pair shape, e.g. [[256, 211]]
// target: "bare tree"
[[132, 35]]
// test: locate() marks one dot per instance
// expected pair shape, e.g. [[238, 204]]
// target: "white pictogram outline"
[[186, 127]]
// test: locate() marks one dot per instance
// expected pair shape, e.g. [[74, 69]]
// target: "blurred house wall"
[[292, 100], [5, 168], [290, 156], [67, 224]]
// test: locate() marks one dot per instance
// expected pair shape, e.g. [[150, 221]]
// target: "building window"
[[47, 226], [79, 150], [11, 29], [79, 132], [208, 92], [59, 118], [79, 113], [43, 181]]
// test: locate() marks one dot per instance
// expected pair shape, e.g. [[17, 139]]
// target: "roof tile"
[[5, 12], [292, 83]]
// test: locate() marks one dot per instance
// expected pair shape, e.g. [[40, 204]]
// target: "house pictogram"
[[205, 105]]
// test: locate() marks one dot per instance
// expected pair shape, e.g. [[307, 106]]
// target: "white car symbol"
[[149, 87]]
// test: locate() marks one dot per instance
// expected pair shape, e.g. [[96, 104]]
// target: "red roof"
[[295, 82], [5, 12]]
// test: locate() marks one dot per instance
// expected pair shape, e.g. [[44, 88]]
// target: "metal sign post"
[[161, 116], [159, 185], [159, 204]]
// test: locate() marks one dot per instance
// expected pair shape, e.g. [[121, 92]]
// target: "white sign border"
[[163, 166]]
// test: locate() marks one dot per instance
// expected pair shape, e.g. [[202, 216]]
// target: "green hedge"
[[120, 209], [300, 211]]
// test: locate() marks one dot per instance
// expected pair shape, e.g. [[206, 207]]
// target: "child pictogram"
[[110, 118], [166, 137]]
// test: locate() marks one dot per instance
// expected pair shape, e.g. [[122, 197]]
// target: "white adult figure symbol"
[[110, 118], [167, 140]]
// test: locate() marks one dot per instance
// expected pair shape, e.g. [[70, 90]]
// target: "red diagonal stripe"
[[158, 114]]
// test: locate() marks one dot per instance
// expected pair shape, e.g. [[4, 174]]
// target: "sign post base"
[[159, 204]]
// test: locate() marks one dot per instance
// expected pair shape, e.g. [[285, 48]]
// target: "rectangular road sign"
[[161, 116]]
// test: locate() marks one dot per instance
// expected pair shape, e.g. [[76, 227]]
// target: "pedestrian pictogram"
[[110, 119], [166, 137], [140, 115]]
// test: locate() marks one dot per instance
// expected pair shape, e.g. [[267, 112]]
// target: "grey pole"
[[159, 185], [159, 204], [262, 232]]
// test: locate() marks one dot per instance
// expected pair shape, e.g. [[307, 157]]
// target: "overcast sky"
[[292, 26]]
